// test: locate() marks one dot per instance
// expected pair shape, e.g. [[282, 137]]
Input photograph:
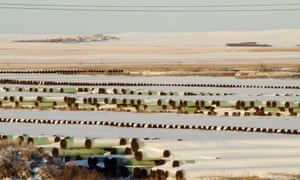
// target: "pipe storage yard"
[[161, 127], [151, 106]]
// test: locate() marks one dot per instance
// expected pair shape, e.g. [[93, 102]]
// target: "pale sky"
[[44, 22]]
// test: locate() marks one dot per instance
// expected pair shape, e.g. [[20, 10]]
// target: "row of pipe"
[[74, 104], [184, 103], [60, 71], [119, 91], [35, 82], [152, 125], [88, 143]]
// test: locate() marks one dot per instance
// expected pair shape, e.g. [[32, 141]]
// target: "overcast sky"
[[41, 21]]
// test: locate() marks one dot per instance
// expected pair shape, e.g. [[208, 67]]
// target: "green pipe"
[[71, 142], [122, 149], [81, 151], [7, 140], [105, 143], [150, 154]]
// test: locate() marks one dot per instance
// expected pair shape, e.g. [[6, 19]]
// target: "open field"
[[157, 52]]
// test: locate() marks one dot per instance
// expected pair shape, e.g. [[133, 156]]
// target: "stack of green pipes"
[[114, 157], [207, 107], [60, 146], [174, 166], [89, 90]]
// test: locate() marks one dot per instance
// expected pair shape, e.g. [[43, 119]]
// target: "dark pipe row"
[[152, 125], [65, 71], [34, 82]]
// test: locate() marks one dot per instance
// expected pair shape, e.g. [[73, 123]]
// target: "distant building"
[[248, 44]]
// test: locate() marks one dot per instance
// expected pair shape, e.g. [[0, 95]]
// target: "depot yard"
[[141, 127]]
